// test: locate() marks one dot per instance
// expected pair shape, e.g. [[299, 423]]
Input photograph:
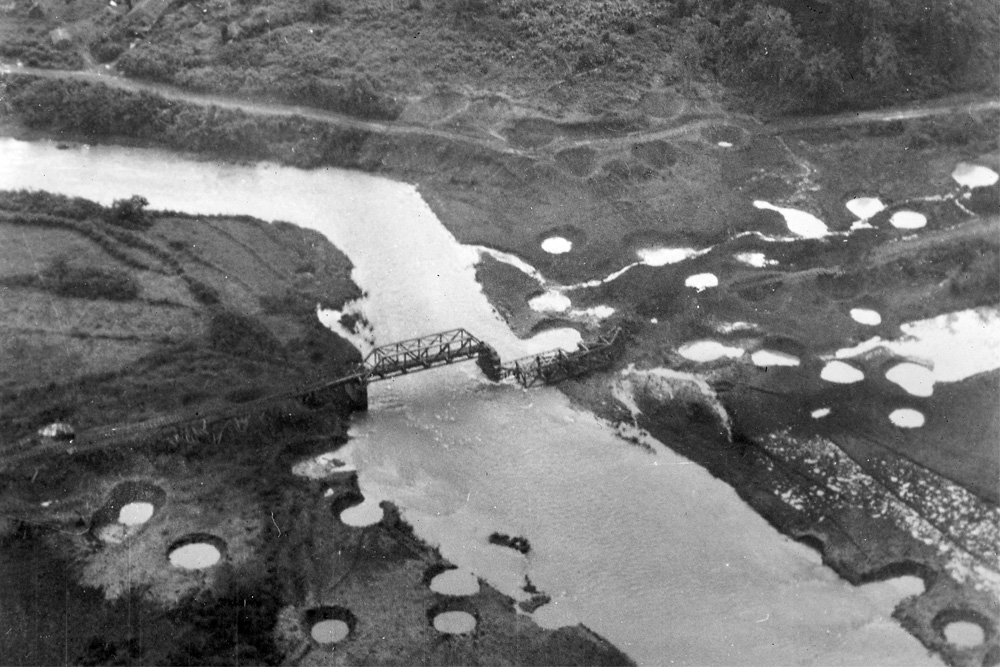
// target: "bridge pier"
[[356, 392], [489, 363], [351, 393]]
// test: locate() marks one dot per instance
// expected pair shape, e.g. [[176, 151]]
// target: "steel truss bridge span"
[[382, 363], [447, 347], [418, 354]]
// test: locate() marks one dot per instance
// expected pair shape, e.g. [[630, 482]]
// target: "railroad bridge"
[[382, 363], [447, 347]]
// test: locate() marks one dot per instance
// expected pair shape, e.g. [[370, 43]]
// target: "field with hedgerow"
[[114, 314]]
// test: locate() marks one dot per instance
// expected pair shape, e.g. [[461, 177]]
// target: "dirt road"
[[495, 141]]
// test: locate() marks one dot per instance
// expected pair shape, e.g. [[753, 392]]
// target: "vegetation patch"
[[579, 161], [657, 154], [39, 51], [790, 56], [98, 111], [241, 335], [86, 282], [206, 624], [113, 356]]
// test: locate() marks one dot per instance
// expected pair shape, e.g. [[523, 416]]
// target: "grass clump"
[[39, 51], [81, 282], [241, 335]]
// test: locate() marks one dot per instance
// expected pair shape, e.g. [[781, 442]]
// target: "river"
[[646, 549]]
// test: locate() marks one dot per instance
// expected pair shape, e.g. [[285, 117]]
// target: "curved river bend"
[[648, 550]]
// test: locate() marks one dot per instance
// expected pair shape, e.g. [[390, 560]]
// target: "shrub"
[[788, 55], [129, 213], [241, 335], [61, 206], [202, 293], [105, 49], [893, 128], [321, 10], [88, 282], [39, 52]]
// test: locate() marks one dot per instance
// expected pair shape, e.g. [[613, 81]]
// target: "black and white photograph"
[[500, 332]]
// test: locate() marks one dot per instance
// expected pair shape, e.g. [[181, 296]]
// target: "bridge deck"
[[557, 365], [422, 353], [384, 362]]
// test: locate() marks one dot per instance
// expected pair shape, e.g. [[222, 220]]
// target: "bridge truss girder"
[[421, 353], [558, 365]]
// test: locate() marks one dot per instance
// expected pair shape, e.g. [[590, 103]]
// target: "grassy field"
[[189, 313], [103, 325]]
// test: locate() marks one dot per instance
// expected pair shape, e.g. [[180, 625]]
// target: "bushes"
[[321, 10], [95, 110], [109, 46], [87, 282], [148, 64], [202, 293], [241, 335], [797, 56], [249, 64], [39, 52], [100, 111], [106, 242], [231, 624], [58, 206], [360, 96], [129, 213], [290, 302], [979, 279]]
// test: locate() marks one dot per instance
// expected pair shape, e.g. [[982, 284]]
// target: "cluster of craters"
[[131, 505]]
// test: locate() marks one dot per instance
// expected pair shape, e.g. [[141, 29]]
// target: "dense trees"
[[824, 54], [364, 57], [96, 110], [129, 213]]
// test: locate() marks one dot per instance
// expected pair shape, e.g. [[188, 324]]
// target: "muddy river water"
[[646, 549]]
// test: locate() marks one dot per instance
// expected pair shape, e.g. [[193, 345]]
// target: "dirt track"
[[495, 141]]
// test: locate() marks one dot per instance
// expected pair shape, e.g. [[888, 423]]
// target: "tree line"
[[823, 55], [98, 111]]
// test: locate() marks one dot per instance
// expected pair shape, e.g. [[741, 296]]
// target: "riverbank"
[[122, 315], [514, 202]]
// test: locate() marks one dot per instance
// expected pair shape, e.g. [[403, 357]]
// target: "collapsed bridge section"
[[558, 365], [382, 363], [447, 347], [438, 349]]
